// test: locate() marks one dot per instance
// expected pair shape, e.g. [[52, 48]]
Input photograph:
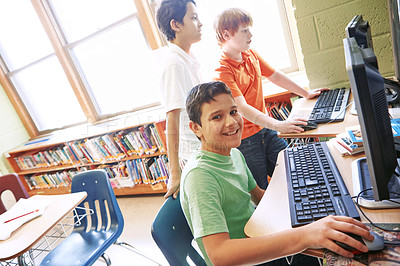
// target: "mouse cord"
[[341, 112], [369, 220]]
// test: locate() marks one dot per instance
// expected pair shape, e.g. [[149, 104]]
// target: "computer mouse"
[[310, 125], [377, 244]]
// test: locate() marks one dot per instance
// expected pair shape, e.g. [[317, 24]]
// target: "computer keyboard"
[[330, 106], [315, 186]]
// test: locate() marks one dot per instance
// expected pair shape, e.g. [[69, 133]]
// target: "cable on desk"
[[368, 219], [341, 112]]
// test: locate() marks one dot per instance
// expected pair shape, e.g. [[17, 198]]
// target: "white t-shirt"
[[180, 73]]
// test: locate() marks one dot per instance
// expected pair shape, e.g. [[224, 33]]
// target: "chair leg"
[[22, 259], [132, 248], [106, 259]]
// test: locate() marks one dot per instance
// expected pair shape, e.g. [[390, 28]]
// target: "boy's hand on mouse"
[[323, 233], [290, 125], [314, 93]]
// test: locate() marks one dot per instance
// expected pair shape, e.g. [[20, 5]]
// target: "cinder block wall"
[[321, 25], [12, 131]]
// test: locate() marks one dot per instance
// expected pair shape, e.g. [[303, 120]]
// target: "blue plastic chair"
[[172, 234], [89, 240]]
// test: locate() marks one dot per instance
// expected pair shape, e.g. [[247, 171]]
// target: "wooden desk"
[[272, 214], [22, 239], [303, 108]]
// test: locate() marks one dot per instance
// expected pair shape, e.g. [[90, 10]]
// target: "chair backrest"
[[101, 199], [172, 234], [11, 182], [96, 232]]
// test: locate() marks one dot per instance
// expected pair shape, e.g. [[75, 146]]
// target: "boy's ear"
[[196, 128], [174, 25], [226, 35]]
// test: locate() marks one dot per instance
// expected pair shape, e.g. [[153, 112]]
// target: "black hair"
[[203, 93], [171, 10]]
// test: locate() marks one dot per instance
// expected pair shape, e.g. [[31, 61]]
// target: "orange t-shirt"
[[245, 79]]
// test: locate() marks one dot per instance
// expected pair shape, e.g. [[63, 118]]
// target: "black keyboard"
[[315, 186], [330, 106]]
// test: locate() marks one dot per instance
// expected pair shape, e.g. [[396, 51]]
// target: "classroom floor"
[[138, 212]]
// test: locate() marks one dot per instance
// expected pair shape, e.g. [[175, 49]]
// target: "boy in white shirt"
[[178, 21]]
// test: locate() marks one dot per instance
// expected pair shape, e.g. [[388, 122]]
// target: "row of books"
[[350, 142], [150, 170], [279, 111], [109, 147], [128, 173], [52, 180]]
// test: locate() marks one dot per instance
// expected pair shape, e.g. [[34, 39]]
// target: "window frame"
[[51, 27], [146, 18]]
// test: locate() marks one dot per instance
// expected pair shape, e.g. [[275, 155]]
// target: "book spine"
[[121, 145]]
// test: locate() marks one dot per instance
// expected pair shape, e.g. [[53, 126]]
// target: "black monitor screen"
[[369, 95], [360, 30]]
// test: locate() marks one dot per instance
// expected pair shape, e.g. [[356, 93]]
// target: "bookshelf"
[[274, 104], [285, 99], [135, 158]]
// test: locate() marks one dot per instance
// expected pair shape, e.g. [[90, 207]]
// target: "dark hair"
[[203, 93], [171, 10]]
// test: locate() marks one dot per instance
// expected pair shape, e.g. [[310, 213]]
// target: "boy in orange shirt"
[[242, 69]]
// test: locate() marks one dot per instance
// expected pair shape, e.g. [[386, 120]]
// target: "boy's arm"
[[256, 194], [172, 134], [321, 234], [285, 82], [264, 120]]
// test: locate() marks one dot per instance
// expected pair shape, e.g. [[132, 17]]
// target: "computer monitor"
[[361, 31], [368, 90]]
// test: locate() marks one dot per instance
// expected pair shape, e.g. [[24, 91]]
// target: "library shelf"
[[135, 158], [279, 105]]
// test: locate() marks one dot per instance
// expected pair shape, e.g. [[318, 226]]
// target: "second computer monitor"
[[360, 31]]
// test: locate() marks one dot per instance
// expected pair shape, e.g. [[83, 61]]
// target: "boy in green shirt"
[[218, 192]]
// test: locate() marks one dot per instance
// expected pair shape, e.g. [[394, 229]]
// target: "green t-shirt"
[[215, 195]]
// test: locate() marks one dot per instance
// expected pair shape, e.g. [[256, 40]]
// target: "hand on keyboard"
[[325, 232], [290, 125], [314, 93]]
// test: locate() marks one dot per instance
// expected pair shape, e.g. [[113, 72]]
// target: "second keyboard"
[[330, 106]]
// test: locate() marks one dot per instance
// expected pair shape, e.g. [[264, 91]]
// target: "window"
[[66, 62], [271, 32], [33, 68], [98, 67]]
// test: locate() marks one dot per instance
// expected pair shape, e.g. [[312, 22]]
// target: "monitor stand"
[[362, 181]]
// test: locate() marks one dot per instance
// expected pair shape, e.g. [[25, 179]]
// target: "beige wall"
[[12, 132], [321, 26]]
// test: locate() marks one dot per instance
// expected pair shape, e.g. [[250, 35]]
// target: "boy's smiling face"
[[221, 125]]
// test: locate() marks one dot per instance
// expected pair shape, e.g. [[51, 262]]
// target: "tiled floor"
[[138, 212]]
